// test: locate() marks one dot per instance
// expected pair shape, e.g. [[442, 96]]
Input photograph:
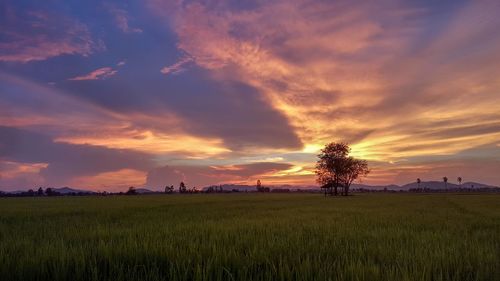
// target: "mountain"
[[430, 185], [377, 187], [471, 184], [144, 191], [15, 191], [69, 190], [433, 185]]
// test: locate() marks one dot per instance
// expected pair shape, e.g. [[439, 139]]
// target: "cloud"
[[73, 120], [231, 111], [15, 175], [122, 19], [39, 35], [407, 84], [193, 105], [157, 142], [98, 74], [66, 161], [368, 73], [202, 176], [114, 181], [177, 67]]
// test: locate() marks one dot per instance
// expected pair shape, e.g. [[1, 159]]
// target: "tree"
[[169, 189], [335, 168], [259, 186], [459, 179], [329, 167], [354, 169], [418, 182], [40, 191], [445, 180], [131, 191], [182, 187]]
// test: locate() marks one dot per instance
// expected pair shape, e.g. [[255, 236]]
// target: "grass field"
[[251, 237]]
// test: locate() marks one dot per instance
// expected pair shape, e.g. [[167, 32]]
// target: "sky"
[[104, 95]]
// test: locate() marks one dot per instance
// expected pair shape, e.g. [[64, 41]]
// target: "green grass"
[[251, 237]]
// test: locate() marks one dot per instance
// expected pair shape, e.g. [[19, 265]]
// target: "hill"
[[68, 190]]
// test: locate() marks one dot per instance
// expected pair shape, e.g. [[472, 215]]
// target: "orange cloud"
[[111, 181], [157, 143], [14, 175], [355, 72]]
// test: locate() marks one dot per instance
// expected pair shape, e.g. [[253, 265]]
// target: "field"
[[251, 237]]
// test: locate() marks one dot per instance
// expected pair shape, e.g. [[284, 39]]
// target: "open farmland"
[[251, 237]]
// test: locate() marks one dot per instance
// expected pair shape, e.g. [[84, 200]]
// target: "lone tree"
[[445, 180], [418, 182], [459, 179], [336, 169]]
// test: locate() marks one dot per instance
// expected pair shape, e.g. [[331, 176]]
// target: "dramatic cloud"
[[44, 109], [28, 35], [233, 91], [373, 74], [98, 74], [66, 161]]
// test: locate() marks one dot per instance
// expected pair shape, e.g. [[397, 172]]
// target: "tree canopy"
[[336, 169]]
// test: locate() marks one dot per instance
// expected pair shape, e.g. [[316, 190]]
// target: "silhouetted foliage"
[[353, 170], [40, 191], [51, 192], [336, 169], [131, 191], [169, 189], [445, 180], [459, 179], [182, 187], [418, 182], [260, 188]]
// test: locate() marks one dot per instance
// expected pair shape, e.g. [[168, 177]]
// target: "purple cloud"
[[39, 35], [98, 74], [177, 67]]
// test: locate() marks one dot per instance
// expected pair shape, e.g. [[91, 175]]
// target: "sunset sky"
[[108, 94]]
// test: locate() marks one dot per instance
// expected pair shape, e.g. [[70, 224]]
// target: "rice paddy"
[[251, 237]]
